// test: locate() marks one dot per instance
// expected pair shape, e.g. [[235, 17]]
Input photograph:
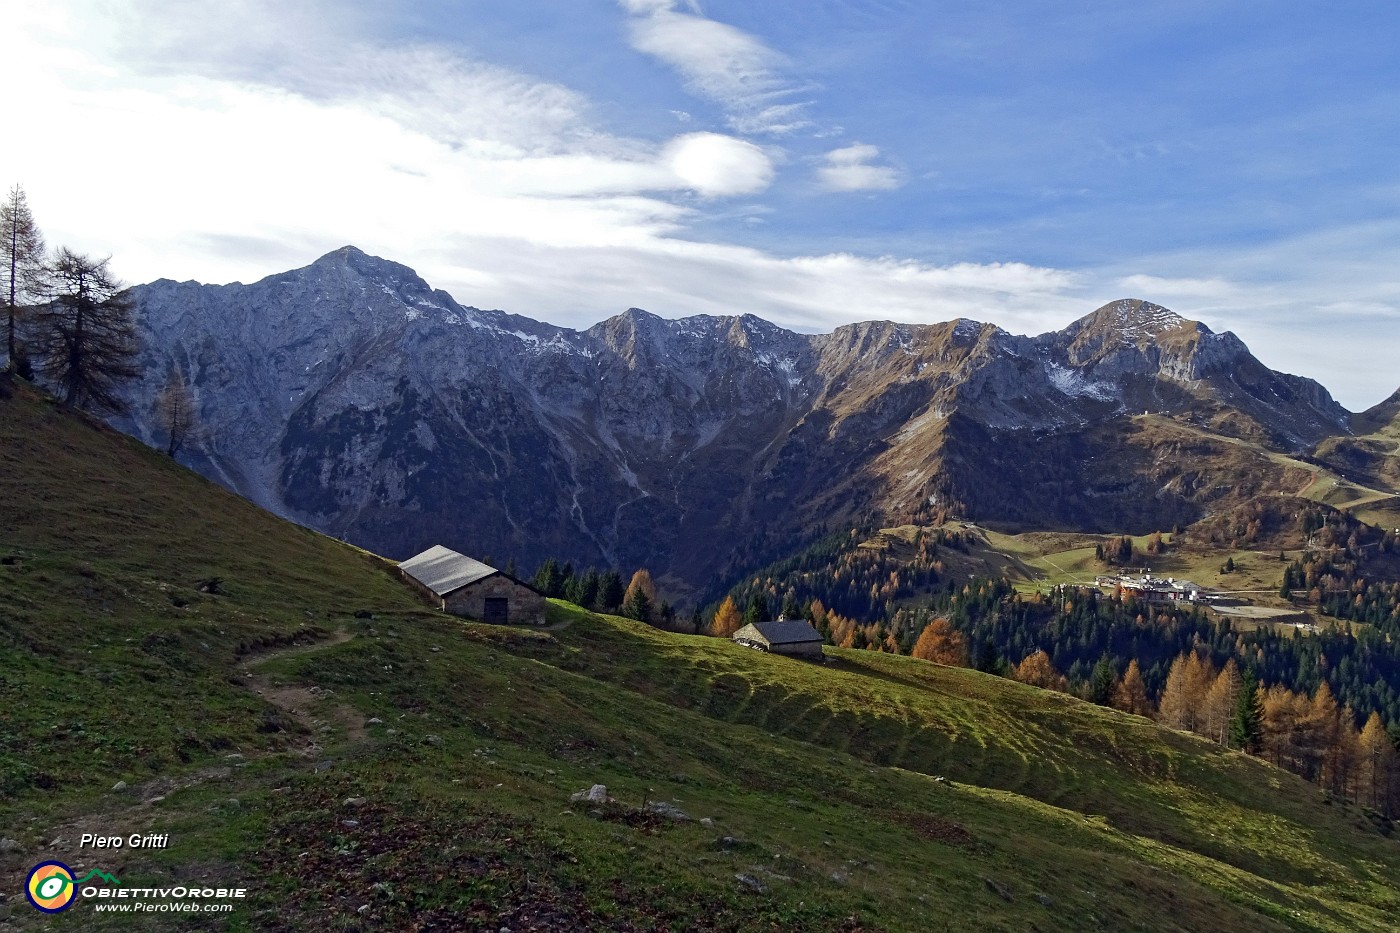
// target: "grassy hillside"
[[873, 792]]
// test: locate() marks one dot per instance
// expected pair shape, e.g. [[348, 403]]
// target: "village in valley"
[[1231, 604]]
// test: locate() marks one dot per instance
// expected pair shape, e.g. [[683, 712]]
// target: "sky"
[[814, 162]]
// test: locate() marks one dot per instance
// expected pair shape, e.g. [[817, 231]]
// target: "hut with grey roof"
[[466, 587], [796, 637]]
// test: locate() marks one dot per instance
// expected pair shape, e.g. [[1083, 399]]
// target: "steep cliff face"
[[351, 396]]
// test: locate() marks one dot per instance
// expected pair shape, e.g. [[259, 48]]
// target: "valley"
[[422, 774]]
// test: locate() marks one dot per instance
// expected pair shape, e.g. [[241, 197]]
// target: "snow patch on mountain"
[[1142, 320], [1074, 383], [967, 329], [555, 342]]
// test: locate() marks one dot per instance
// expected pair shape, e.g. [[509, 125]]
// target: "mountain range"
[[352, 397]]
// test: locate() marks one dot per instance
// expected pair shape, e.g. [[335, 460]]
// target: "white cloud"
[[849, 169], [720, 63], [311, 50], [396, 145], [1177, 289], [719, 166], [268, 147], [675, 277]]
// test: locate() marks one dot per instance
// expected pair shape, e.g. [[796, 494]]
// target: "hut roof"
[[787, 632], [444, 571]]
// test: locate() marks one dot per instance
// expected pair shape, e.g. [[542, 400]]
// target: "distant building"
[[783, 637], [1158, 590], [462, 586]]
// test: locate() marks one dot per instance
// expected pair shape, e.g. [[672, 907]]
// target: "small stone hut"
[[796, 637], [462, 586]]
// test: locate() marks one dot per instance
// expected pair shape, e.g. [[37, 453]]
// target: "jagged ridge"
[[351, 396]]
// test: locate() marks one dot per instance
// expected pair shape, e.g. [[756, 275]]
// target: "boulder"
[[598, 793], [750, 882], [668, 810]]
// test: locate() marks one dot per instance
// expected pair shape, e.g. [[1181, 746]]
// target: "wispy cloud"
[[675, 277], [335, 134], [246, 137], [513, 200], [721, 63], [322, 51], [850, 168]]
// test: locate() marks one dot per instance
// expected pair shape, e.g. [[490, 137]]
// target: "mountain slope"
[[1384, 418], [462, 744], [350, 396], [1372, 456]]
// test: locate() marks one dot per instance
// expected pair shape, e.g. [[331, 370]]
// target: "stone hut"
[[462, 586], [795, 637]]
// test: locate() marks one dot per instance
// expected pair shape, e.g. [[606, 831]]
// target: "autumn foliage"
[[727, 619], [1130, 694], [1037, 671], [1309, 735], [941, 643]]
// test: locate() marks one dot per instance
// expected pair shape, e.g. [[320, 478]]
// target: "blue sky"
[[813, 162]]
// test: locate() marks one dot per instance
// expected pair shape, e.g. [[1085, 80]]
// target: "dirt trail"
[[140, 808], [300, 701]]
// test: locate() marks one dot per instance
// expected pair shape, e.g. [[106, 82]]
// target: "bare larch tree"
[[22, 251], [86, 333], [175, 412]]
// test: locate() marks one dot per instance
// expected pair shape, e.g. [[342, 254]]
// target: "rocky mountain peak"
[[630, 324], [395, 287], [355, 260], [1130, 319], [638, 337], [1132, 335]]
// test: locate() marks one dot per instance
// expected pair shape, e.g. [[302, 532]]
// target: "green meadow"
[[298, 723]]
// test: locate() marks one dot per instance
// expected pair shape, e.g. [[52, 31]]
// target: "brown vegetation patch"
[[937, 829], [373, 867]]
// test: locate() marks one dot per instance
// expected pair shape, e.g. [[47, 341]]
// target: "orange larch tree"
[[727, 619], [941, 643]]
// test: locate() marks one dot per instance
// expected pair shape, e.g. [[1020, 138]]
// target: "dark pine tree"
[[1246, 731], [638, 605], [610, 591], [583, 589], [757, 610], [988, 660], [1102, 682], [86, 333], [548, 579]]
